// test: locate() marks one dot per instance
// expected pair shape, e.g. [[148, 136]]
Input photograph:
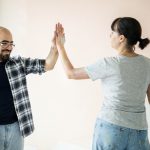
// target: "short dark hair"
[[131, 29]]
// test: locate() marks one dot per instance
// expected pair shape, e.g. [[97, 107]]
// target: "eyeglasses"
[[5, 44]]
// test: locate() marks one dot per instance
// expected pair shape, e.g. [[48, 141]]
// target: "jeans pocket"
[[143, 137], [109, 136]]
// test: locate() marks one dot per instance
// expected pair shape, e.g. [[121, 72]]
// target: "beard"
[[4, 57]]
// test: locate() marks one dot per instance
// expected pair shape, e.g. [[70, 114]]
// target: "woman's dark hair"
[[131, 29]]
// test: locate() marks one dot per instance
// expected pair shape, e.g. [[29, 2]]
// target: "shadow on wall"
[[68, 146], [29, 147], [59, 146]]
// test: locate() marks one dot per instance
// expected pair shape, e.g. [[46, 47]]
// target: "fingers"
[[60, 36], [59, 29]]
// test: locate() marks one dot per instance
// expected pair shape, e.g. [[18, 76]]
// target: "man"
[[15, 111]]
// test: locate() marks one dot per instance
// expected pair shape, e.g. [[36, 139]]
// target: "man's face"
[[6, 45]]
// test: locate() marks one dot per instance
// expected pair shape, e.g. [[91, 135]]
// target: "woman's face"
[[115, 39]]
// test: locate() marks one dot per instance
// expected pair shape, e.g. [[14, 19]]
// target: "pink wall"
[[66, 110]]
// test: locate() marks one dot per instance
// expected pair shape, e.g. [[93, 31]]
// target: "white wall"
[[65, 110]]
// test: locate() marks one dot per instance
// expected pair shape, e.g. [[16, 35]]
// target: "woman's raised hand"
[[60, 36]]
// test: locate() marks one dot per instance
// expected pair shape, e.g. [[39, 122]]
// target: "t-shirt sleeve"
[[97, 70]]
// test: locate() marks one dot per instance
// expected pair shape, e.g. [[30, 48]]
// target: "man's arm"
[[52, 56], [148, 93]]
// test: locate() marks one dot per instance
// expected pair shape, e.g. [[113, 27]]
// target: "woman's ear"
[[122, 38]]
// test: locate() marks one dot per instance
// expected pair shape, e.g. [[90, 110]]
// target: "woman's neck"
[[127, 52]]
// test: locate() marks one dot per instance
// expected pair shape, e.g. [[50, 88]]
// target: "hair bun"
[[143, 42]]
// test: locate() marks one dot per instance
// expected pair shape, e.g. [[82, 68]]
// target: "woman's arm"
[[71, 72]]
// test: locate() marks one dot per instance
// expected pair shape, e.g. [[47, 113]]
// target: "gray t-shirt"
[[125, 81]]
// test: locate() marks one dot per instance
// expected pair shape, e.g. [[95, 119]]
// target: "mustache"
[[6, 50]]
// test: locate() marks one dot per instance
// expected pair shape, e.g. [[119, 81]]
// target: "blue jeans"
[[10, 137], [108, 136]]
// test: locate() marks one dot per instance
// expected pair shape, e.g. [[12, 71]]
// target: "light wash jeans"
[[10, 137], [108, 136]]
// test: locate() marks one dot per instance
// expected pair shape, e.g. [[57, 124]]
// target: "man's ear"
[[122, 38]]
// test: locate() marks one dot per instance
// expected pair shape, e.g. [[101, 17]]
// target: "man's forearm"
[[51, 59]]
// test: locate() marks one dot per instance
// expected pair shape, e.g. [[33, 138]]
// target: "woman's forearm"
[[68, 67]]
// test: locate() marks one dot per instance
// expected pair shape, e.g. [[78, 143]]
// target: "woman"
[[121, 123]]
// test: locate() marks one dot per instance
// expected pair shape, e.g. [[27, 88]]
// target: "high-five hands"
[[60, 36]]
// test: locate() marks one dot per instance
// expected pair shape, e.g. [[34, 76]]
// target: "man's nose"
[[10, 47]]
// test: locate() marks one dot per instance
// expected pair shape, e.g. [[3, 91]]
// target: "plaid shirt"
[[17, 68]]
